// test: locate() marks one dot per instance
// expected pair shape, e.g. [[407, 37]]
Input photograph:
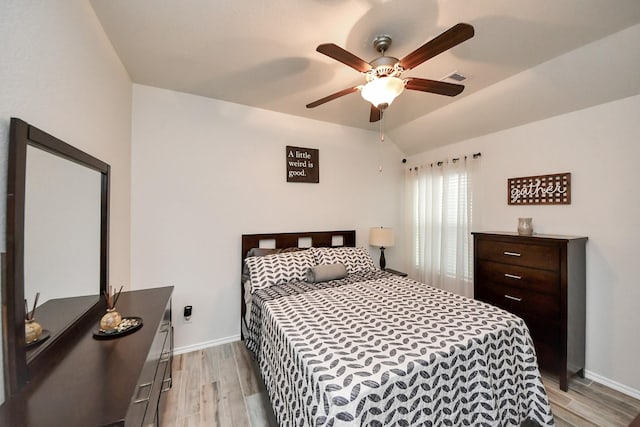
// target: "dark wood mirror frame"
[[17, 370]]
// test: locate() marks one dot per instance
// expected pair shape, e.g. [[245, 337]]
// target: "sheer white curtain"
[[438, 224]]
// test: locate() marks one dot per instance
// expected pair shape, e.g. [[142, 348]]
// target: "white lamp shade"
[[381, 236], [382, 91]]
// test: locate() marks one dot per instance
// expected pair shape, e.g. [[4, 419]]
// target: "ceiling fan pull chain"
[[381, 132]]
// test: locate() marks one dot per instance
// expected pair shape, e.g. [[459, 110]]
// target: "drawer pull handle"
[[511, 253], [512, 276], [513, 298], [145, 399]]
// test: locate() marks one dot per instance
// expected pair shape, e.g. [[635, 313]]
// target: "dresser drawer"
[[546, 334], [160, 377], [527, 255], [154, 377], [544, 330], [532, 279], [547, 354], [521, 302], [142, 402]]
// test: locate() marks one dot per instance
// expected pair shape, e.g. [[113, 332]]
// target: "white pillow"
[[276, 269], [354, 259]]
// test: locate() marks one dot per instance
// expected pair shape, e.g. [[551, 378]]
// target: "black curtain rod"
[[441, 162], [455, 159]]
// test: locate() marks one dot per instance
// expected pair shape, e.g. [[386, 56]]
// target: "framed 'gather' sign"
[[552, 189], [303, 164]]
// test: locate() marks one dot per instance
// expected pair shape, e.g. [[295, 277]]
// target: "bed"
[[371, 348]]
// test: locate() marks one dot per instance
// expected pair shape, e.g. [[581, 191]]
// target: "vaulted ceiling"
[[522, 64]]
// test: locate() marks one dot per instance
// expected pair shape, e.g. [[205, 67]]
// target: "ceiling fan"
[[383, 73]]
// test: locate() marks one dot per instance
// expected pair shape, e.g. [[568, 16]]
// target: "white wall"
[[59, 72], [204, 172], [599, 146]]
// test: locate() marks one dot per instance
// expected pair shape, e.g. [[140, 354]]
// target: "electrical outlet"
[[187, 312]]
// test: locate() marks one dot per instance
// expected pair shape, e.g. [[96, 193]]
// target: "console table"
[[113, 382]]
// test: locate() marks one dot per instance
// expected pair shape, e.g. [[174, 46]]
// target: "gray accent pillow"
[[326, 272]]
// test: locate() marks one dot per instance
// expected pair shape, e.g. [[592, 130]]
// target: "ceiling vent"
[[456, 77]]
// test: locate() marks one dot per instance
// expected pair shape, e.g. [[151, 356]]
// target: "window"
[[440, 202]]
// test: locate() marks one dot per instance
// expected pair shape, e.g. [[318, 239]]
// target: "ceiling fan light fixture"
[[381, 92]]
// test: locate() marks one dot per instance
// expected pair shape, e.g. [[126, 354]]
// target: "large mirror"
[[57, 245]]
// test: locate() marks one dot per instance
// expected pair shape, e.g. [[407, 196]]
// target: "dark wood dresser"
[[542, 279], [115, 382]]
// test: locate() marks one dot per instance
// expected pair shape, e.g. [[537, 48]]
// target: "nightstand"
[[396, 272]]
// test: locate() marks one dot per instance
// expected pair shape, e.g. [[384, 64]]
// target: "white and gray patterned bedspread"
[[375, 349]]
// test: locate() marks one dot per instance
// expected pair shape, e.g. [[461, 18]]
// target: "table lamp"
[[383, 238]]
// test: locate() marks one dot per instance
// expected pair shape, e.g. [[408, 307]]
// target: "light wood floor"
[[220, 386]]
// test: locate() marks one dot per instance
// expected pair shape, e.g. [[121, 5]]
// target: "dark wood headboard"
[[319, 239]]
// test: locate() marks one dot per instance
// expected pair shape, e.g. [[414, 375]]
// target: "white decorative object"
[[525, 228]]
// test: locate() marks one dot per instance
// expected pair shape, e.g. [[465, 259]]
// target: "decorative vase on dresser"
[[542, 279]]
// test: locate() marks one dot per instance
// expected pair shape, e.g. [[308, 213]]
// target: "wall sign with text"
[[303, 164], [552, 189]]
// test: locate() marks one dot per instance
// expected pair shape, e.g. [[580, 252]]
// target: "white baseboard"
[[206, 344], [612, 384]]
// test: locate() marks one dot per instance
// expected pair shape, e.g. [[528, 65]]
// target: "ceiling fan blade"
[[375, 114], [450, 38], [347, 58], [434, 86], [332, 96]]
